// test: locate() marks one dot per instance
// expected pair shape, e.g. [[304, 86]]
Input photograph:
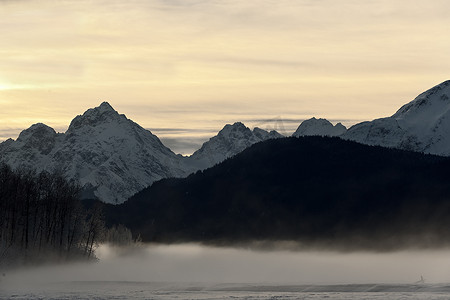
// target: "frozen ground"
[[143, 290]]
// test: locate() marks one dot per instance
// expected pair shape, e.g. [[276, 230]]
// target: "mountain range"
[[231, 140], [113, 157]]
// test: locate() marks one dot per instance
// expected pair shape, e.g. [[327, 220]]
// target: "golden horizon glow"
[[201, 64]]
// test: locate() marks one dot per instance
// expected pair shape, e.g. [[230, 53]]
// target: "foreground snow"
[[148, 290]]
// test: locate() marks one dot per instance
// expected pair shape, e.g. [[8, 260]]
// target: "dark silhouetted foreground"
[[316, 191], [43, 220]]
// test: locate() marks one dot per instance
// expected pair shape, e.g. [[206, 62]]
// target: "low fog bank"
[[190, 263], [373, 242]]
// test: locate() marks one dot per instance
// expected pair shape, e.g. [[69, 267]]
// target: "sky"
[[184, 69]]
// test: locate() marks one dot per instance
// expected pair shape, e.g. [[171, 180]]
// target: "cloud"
[[6, 133], [219, 61], [183, 145]]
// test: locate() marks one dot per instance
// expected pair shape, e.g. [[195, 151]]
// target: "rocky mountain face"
[[231, 140], [320, 127], [111, 156], [421, 125]]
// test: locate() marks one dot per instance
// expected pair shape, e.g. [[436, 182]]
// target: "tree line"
[[42, 219], [317, 191]]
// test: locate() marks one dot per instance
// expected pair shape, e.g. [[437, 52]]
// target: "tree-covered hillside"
[[312, 190]]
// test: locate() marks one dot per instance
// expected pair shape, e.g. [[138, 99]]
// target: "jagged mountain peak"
[[232, 129], [239, 130], [236, 125], [321, 127], [105, 106], [232, 139], [37, 131], [111, 156], [39, 137], [104, 113], [264, 134]]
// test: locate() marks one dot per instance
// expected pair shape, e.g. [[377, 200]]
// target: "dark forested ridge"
[[43, 220], [313, 190]]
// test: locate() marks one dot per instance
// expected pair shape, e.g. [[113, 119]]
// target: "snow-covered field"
[[197, 272], [143, 290]]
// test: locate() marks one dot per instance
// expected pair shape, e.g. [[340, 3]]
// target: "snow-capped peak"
[[234, 130], [232, 139], [239, 130], [104, 107], [420, 125], [321, 127], [265, 135], [101, 114], [426, 109], [111, 156], [36, 131], [437, 95], [39, 137]]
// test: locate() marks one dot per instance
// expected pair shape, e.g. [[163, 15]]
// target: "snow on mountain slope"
[[110, 155], [231, 140], [113, 158], [321, 127], [420, 125]]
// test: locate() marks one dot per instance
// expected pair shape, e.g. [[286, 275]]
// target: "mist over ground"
[[190, 263]]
